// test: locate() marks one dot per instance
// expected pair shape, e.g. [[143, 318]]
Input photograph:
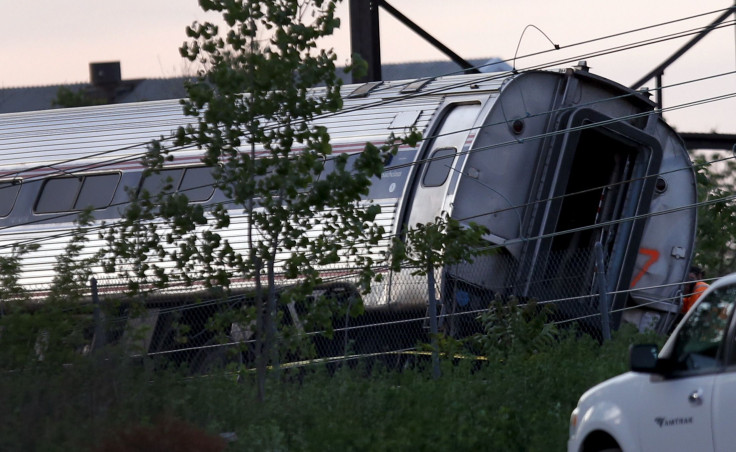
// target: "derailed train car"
[[555, 164]]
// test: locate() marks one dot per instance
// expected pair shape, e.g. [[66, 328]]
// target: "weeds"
[[518, 396]]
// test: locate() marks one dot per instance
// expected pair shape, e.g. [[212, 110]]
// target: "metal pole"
[[603, 302], [660, 69], [469, 68], [365, 37], [99, 340], [433, 329]]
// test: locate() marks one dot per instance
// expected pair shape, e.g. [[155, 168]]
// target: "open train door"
[[600, 191]]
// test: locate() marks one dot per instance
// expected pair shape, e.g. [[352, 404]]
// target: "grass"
[[518, 401]]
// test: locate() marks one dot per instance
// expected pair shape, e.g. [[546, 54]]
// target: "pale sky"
[[48, 42]]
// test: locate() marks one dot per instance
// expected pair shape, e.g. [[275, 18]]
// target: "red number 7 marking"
[[653, 257]]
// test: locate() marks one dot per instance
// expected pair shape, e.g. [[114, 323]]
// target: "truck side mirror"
[[643, 358]]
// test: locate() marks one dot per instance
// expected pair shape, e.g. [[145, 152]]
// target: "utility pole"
[[692, 140], [365, 39]]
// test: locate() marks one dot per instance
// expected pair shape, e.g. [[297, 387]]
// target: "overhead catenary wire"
[[580, 43], [545, 64], [541, 136], [133, 158]]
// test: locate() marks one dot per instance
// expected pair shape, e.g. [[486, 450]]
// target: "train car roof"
[[107, 132]]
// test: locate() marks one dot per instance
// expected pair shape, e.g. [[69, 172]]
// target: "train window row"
[[70, 193]]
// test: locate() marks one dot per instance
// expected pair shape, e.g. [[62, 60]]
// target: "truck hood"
[[623, 384], [614, 399]]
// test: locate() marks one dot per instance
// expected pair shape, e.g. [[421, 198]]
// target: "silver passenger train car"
[[551, 162]]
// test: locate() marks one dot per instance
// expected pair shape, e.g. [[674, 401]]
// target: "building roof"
[[33, 98]]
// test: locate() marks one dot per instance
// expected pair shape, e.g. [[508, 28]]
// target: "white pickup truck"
[[680, 399]]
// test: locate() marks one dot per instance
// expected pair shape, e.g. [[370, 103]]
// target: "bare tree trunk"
[[271, 333], [433, 330], [261, 311], [260, 352]]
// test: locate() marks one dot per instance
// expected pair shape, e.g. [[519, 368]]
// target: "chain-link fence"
[[203, 327]]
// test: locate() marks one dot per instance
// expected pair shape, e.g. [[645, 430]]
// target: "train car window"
[[198, 184], [97, 191], [8, 193], [58, 194], [329, 166], [391, 182], [156, 183], [438, 167], [70, 193]]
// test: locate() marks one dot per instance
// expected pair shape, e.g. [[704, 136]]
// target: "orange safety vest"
[[690, 299]]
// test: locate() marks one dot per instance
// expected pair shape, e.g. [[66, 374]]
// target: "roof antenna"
[[557, 46]]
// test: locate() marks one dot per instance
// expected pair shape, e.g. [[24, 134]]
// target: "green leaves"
[[66, 98], [294, 209], [510, 327], [715, 249], [73, 268], [430, 246], [10, 269], [446, 241]]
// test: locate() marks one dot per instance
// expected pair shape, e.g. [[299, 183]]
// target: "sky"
[[49, 42]]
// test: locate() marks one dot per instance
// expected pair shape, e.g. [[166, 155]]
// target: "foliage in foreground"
[[716, 247], [510, 402]]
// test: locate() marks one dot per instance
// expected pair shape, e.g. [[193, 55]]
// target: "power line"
[[568, 60], [489, 147], [679, 34], [703, 101]]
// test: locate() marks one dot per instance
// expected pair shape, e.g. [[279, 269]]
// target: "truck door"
[[694, 406], [671, 418], [436, 164], [724, 386]]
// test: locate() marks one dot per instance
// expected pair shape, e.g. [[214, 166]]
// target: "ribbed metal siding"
[[50, 141]]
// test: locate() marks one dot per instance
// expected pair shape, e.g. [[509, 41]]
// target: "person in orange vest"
[[694, 288]]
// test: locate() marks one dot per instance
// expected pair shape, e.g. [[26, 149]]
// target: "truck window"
[[699, 342]]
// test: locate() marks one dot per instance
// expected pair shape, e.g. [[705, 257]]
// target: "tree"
[[716, 232], [431, 246], [253, 105], [73, 271], [11, 288], [56, 329], [66, 98]]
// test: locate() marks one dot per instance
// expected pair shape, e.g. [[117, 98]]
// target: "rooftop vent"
[[105, 74]]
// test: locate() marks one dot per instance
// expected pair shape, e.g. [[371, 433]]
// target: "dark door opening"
[[598, 184], [600, 191]]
